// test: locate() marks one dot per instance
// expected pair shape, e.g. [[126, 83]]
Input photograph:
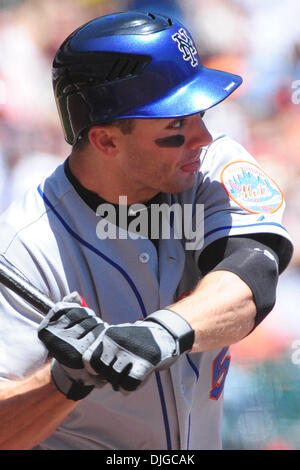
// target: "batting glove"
[[126, 354], [67, 331]]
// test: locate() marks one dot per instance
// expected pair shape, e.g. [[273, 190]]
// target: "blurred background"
[[259, 40]]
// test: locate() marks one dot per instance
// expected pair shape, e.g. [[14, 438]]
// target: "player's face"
[[164, 154]]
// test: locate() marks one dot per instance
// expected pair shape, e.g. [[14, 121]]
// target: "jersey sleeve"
[[21, 352], [239, 197]]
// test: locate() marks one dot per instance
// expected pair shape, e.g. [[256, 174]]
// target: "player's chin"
[[185, 181]]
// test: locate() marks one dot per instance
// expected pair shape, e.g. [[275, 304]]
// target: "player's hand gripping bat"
[[93, 345]]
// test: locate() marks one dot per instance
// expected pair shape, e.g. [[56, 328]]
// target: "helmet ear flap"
[[74, 115]]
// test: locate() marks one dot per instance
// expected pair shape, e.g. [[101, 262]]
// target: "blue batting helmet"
[[132, 65]]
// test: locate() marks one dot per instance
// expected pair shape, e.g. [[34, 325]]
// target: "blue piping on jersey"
[[192, 366], [189, 433], [228, 227], [196, 371], [136, 293]]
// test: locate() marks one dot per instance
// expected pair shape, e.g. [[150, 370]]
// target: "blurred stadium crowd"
[[259, 40]]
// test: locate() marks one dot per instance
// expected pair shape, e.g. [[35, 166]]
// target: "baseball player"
[[134, 354]]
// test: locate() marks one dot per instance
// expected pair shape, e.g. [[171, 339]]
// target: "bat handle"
[[25, 289]]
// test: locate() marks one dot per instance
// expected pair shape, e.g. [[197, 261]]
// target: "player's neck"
[[105, 181]]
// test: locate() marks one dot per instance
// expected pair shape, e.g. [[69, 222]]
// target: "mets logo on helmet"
[[186, 46]]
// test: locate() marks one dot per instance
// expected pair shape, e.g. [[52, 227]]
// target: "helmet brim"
[[207, 88]]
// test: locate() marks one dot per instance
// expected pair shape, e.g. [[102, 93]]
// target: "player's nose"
[[199, 135]]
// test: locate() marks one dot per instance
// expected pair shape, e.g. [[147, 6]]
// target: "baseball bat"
[[21, 286]]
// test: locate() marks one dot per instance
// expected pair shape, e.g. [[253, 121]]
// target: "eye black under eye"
[[171, 141]]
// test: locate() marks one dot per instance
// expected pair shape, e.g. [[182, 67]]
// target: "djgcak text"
[[174, 459]]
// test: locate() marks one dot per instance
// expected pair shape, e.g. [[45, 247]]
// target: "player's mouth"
[[191, 167]]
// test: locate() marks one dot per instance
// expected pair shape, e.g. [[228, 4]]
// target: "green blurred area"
[[262, 406]]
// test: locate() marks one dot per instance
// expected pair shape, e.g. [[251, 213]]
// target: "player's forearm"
[[221, 310], [30, 410]]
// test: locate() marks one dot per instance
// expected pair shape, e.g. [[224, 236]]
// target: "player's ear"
[[103, 139]]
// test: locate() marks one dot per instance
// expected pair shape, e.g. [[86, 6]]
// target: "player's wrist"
[[177, 326]]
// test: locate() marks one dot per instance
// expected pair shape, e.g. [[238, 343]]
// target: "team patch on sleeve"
[[251, 188]]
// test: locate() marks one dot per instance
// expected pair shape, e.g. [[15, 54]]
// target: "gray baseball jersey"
[[51, 236]]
